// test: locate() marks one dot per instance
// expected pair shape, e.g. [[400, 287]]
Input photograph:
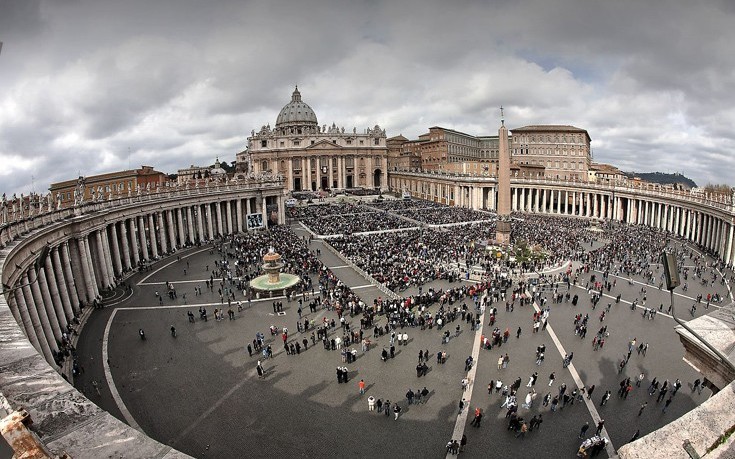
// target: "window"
[[362, 142], [263, 143], [312, 142], [283, 144], [296, 143], [264, 166], [349, 142], [376, 141]]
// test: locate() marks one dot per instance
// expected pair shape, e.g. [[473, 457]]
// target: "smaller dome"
[[296, 113]]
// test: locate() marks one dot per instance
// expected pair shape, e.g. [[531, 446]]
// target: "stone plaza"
[[200, 393]]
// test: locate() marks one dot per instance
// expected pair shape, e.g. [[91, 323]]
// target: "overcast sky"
[[95, 86]]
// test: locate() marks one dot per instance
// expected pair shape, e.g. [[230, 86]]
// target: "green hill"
[[662, 178]]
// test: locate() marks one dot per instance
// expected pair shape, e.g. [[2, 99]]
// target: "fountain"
[[274, 281]]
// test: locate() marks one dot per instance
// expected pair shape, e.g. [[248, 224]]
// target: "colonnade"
[[94, 252], [704, 221], [711, 228]]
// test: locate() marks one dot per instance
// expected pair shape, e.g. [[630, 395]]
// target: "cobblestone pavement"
[[199, 392]]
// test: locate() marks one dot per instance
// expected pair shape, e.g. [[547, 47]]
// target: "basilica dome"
[[296, 113]]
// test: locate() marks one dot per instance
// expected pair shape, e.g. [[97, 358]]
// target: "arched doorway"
[[377, 178]]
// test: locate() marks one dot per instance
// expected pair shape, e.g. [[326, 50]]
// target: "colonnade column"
[[603, 206], [89, 281], [71, 283], [210, 227], [117, 262], [101, 262], [161, 231], [53, 290], [108, 257], [47, 346], [180, 221], [238, 214], [41, 308], [171, 227], [228, 214], [218, 213], [590, 211], [134, 242], [190, 223], [143, 238], [200, 222], [61, 284], [25, 319]]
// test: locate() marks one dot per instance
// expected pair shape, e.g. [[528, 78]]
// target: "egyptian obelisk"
[[502, 233]]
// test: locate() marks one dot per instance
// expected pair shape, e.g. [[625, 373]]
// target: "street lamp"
[[671, 275]]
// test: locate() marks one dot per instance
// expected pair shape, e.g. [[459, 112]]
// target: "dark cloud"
[[182, 82]]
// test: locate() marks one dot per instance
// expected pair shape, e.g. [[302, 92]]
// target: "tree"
[[722, 189]]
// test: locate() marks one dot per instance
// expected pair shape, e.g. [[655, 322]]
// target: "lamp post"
[[671, 275]]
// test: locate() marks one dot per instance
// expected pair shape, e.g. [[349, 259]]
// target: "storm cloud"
[[96, 86]]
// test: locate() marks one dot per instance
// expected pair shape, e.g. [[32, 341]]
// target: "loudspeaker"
[[671, 271]]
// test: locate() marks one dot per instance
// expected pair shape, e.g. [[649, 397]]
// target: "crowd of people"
[[416, 257], [445, 215]]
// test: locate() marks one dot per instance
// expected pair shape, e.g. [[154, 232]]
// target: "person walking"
[[643, 407], [361, 386], [668, 402], [552, 376], [583, 430], [600, 426], [522, 432], [396, 411], [590, 390]]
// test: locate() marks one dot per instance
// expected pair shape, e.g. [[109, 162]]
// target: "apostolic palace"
[[59, 252]]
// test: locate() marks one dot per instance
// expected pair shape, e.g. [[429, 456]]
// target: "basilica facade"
[[312, 157]]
